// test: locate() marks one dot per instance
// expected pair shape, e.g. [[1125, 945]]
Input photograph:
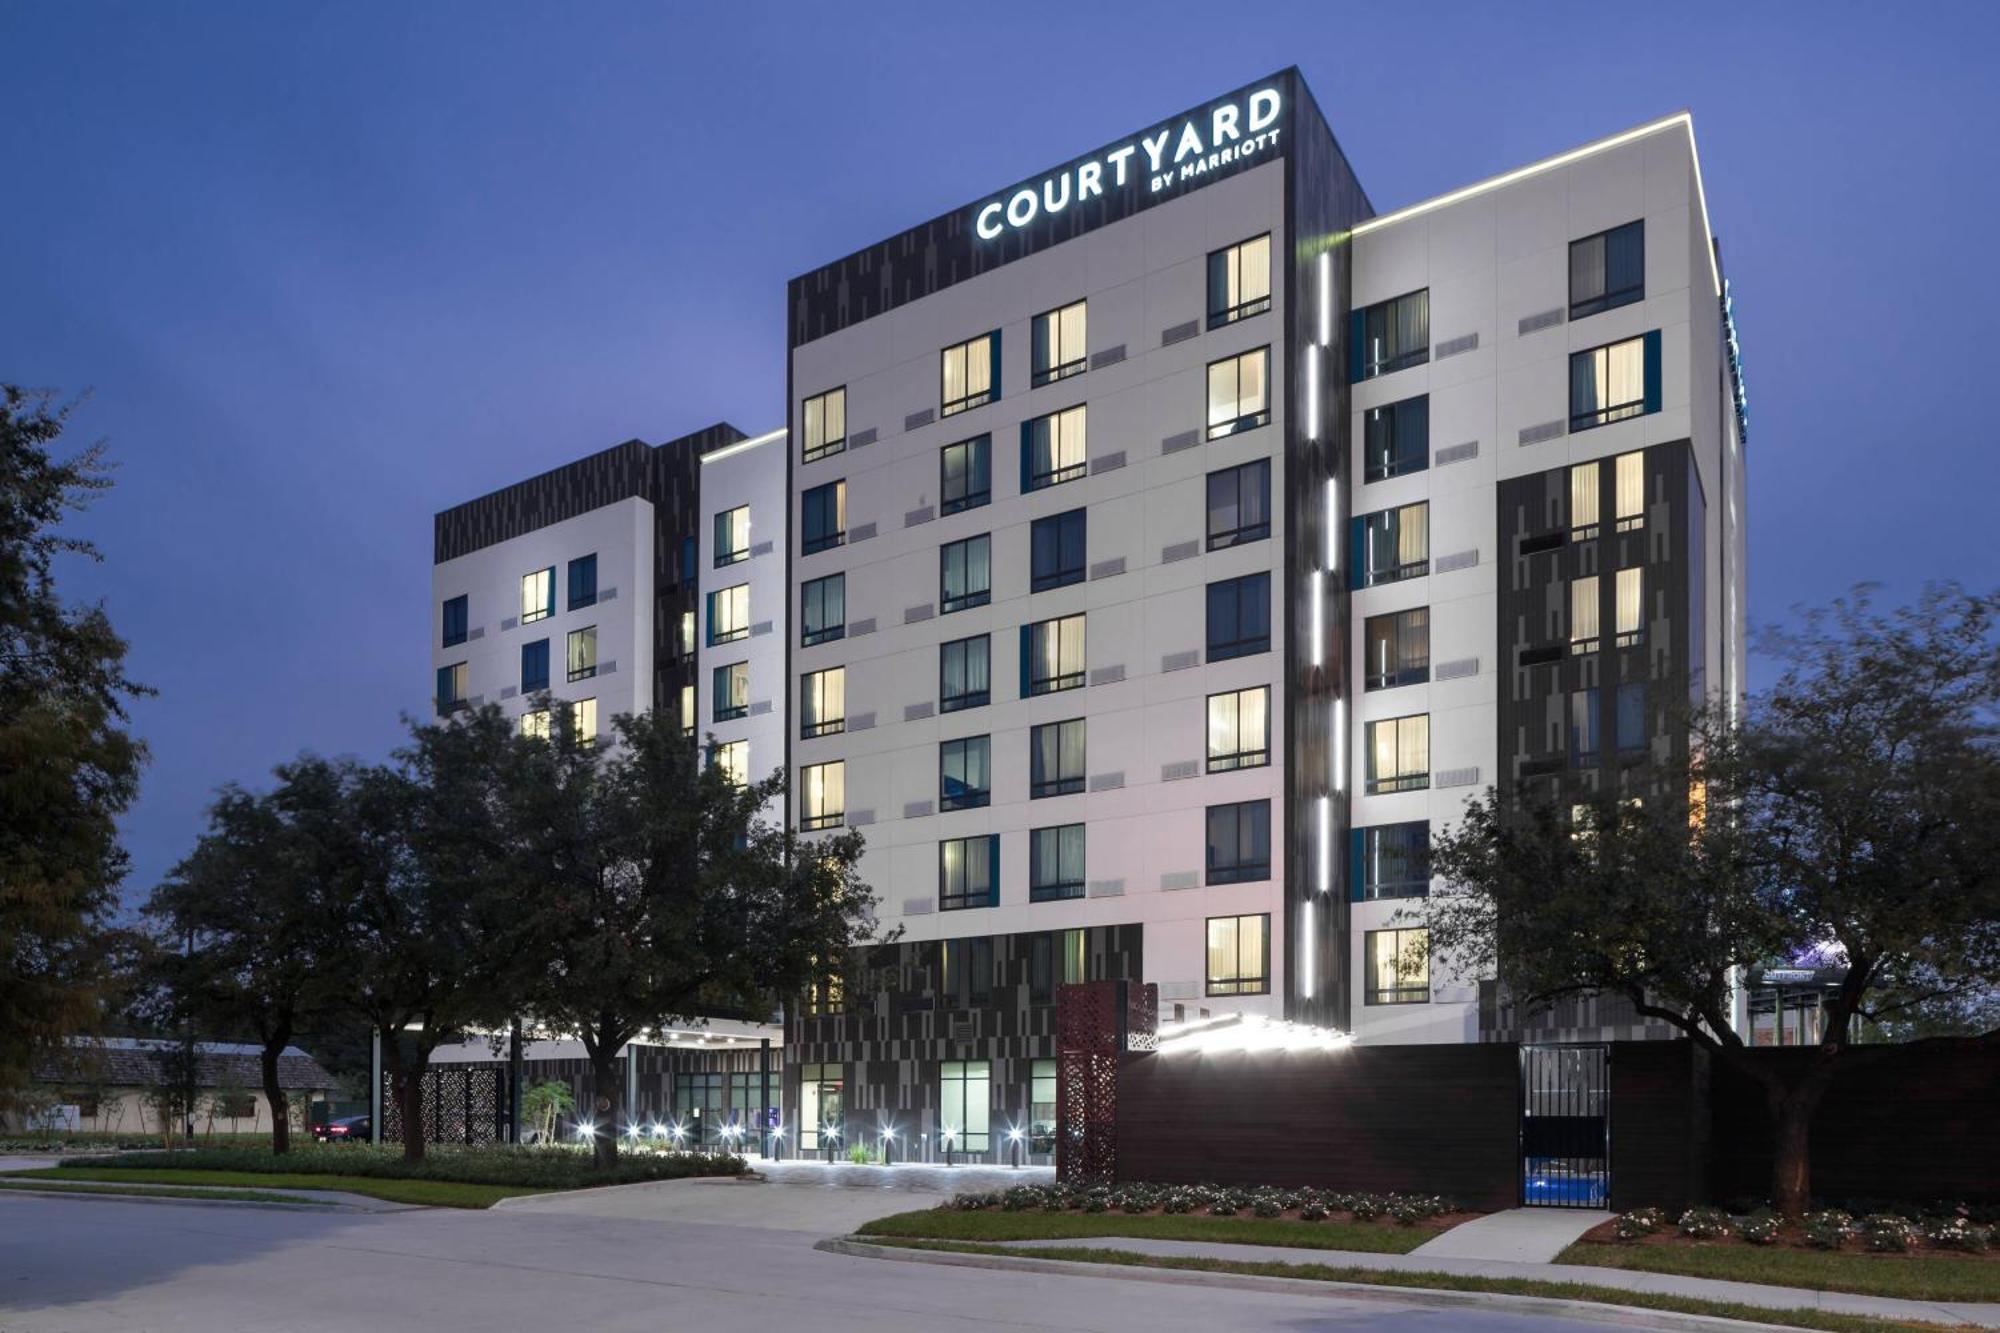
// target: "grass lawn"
[[155, 1191], [1817, 1319], [435, 1193], [1917, 1277], [1034, 1224]]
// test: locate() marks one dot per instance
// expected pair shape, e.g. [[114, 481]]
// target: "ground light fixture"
[[1014, 1138], [888, 1144], [1246, 1032], [585, 1131]]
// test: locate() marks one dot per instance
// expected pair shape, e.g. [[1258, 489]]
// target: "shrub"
[[1888, 1233], [1222, 1207], [1704, 1223], [1639, 1222], [1762, 1227], [1313, 1212], [1828, 1229], [543, 1168], [1266, 1207], [1180, 1201], [1958, 1233], [1365, 1207]]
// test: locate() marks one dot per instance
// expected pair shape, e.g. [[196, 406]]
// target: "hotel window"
[[965, 773], [1390, 335], [1239, 954], [1392, 861], [1239, 504], [823, 516], [1052, 656], [1055, 863], [965, 1104], [1630, 485], [535, 724], [969, 872], [1055, 958], [822, 795], [1239, 393], [1396, 439], [1583, 745], [685, 638], [452, 684], [538, 595], [1584, 503], [965, 673], [1631, 717], [1239, 281], [965, 973], [827, 993], [583, 721], [1056, 548], [823, 424], [583, 582], [1059, 349], [1399, 754], [456, 616], [729, 614], [534, 666], [1239, 617], [821, 1119], [733, 758], [1398, 647], [969, 374], [1055, 759], [966, 480], [1053, 449], [1614, 382], [731, 688], [1584, 622], [823, 702], [1239, 729], [1607, 270], [1629, 626], [686, 713], [822, 610], [581, 653], [965, 574], [1042, 1106], [689, 575], [1239, 842], [732, 536], [1392, 544], [1397, 969]]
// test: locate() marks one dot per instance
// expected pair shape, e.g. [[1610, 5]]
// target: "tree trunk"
[[274, 1094], [1791, 1154], [607, 1112], [406, 1084]]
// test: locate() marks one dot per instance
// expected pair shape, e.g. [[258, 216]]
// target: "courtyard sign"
[[1167, 156]]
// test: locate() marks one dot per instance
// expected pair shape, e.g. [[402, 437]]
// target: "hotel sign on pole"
[[1170, 156]]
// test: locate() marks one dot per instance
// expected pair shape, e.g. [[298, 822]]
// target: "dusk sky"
[[327, 269]]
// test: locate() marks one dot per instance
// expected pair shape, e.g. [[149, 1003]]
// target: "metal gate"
[[1566, 1126]]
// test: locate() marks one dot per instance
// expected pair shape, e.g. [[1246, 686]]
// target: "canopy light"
[[1247, 1032]]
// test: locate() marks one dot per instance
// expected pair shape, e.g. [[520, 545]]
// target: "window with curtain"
[[965, 673], [969, 873], [1239, 281], [823, 702], [1607, 384], [965, 1104], [1059, 350], [1632, 717], [1396, 439], [823, 516], [457, 618], [732, 536], [1239, 842], [731, 687], [823, 424], [729, 614], [1392, 544], [1055, 759], [1630, 501], [1398, 648], [1583, 502], [1392, 335], [535, 724], [1584, 623], [1399, 754], [1393, 861], [965, 574], [1397, 966], [1607, 270], [965, 773], [1239, 955], [822, 610], [1239, 617], [1055, 863], [1239, 729], [686, 710], [538, 595], [583, 721], [685, 637], [1630, 626], [1583, 744], [1042, 1107], [822, 795], [1056, 550], [583, 582], [1055, 655], [733, 758], [966, 475], [1239, 393], [1055, 447], [534, 666], [966, 374], [580, 653], [453, 682], [1239, 504], [965, 972]]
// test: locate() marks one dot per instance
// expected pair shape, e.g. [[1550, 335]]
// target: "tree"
[[68, 765], [247, 919], [663, 894], [1853, 818], [543, 1102]]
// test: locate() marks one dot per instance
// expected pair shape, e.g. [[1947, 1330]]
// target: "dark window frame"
[[1416, 879], [1241, 645], [818, 497], [979, 449], [1260, 984], [582, 580], [718, 525], [1068, 680], [1244, 533], [826, 633], [832, 726], [1240, 759], [1378, 786], [1039, 374], [951, 407], [534, 684], [1606, 414], [1611, 298], [1060, 525], [1236, 870], [827, 447], [457, 620], [1399, 994], [1221, 430], [1407, 669], [576, 674], [1366, 573], [954, 703], [727, 636], [1219, 316], [1366, 368], [964, 899], [1062, 784], [825, 819], [1056, 476], [1398, 457], [1062, 889], [715, 683], [973, 798], [971, 597]]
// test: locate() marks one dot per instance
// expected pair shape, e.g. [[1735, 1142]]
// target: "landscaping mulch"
[[1790, 1238]]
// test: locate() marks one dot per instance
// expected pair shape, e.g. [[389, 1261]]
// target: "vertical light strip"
[[1312, 393], [1306, 951], [1319, 618], [1325, 844], [1331, 525], [1340, 745], [1325, 299]]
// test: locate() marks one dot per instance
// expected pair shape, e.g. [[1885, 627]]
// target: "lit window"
[[1239, 955], [1055, 863], [823, 610], [1583, 501], [583, 582], [967, 474], [1239, 504], [1631, 609], [965, 673], [969, 374], [822, 795], [685, 638], [583, 720], [1614, 382], [1631, 488], [535, 724], [820, 1101], [969, 872], [1398, 967], [733, 758], [1396, 439], [1052, 655], [1056, 550], [823, 702], [1239, 842], [965, 574], [1239, 393], [965, 773], [1607, 270], [823, 424], [452, 683], [730, 695], [582, 653], [456, 616], [686, 713], [823, 516], [1042, 1106], [1392, 544], [1239, 281], [732, 536], [1059, 350], [965, 1104], [1391, 335], [534, 666], [1392, 861], [1584, 622], [1239, 617], [1239, 729], [538, 595], [1053, 449], [1399, 754], [1055, 759], [729, 614], [1398, 648]]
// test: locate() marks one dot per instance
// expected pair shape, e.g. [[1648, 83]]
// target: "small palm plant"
[[542, 1103]]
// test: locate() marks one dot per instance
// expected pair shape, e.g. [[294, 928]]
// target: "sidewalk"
[[1515, 1235]]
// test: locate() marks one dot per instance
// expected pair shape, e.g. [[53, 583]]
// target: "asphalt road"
[[79, 1265]]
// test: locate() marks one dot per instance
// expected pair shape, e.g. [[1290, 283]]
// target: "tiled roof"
[[129, 1062]]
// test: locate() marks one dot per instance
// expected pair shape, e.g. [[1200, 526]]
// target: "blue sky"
[[327, 269]]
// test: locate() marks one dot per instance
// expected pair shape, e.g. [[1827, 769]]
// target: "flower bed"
[[1262, 1201], [1937, 1229]]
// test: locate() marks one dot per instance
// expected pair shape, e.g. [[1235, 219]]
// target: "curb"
[[303, 1206], [1548, 1306]]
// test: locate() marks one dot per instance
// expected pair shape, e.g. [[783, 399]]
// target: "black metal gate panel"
[[1566, 1126]]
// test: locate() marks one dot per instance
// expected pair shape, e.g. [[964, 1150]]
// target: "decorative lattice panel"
[[1088, 1021], [1142, 1017], [462, 1104]]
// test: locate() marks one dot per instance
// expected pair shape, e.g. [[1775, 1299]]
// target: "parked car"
[[347, 1129]]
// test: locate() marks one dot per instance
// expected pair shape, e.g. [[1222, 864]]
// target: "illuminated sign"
[[1779, 976], [1170, 155]]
